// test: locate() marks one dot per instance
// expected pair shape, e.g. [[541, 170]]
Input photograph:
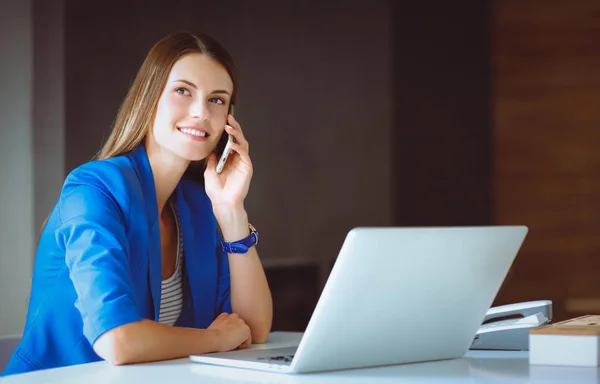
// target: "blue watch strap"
[[243, 245]]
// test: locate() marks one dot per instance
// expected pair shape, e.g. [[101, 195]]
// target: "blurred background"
[[359, 113]]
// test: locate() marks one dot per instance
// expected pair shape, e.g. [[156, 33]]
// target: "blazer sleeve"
[[223, 302], [96, 248]]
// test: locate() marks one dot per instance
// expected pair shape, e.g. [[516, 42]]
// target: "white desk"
[[474, 367]]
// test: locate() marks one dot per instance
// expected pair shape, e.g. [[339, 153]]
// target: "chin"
[[194, 156], [191, 151]]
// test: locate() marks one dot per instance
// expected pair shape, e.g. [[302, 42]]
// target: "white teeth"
[[193, 132]]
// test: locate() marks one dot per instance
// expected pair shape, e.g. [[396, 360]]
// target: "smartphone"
[[224, 146], [225, 154]]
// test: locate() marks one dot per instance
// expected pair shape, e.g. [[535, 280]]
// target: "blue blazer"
[[99, 266]]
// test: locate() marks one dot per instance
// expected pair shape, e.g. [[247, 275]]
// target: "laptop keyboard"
[[283, 359]]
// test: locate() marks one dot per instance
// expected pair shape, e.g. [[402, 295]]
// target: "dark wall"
[[442, 142], [48, 107]]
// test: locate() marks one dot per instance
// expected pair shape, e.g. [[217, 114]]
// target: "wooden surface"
[[583, 326], [546, 112]]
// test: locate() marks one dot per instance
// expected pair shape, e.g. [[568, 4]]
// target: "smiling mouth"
[[194, 132]]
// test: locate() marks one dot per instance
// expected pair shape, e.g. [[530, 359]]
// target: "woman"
[[148, 254]]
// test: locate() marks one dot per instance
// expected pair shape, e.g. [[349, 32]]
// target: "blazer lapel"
[[140, 161], [155, 267], [198, 231]]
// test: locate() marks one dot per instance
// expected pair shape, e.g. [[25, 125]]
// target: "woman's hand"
[[232, 332], [228, 189]]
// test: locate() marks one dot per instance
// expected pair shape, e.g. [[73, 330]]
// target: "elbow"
[[118, 358], [114, 348], [261, 334], [260, 339]]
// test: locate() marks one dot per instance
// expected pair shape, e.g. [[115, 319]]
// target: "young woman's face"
[[192, 110]]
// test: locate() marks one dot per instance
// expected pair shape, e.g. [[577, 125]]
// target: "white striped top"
[[171, 297]]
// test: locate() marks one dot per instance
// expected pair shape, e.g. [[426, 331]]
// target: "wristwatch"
[[241, 246]]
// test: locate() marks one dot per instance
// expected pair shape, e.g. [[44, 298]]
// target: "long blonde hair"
[[139, 106]]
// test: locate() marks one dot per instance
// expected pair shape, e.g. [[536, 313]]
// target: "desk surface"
[[474, 367]]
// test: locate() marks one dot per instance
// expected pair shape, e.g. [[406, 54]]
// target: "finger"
[[245, 345], [238, 129], [238, 136], [222, 315], [240, 149], [234, 123], [243, 152]]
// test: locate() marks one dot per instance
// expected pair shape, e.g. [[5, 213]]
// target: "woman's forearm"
[[146, 341], [250, 294]]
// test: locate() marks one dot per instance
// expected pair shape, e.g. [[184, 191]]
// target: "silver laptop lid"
[[398, 295]]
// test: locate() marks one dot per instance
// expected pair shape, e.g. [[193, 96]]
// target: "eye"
[[183, 91], [218, 100]]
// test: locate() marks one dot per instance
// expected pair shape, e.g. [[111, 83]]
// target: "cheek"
[[219, 114], [168, 112], [159, 120], [220, 133]]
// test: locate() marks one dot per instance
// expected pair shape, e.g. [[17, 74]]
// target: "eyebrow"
[[195, 87]]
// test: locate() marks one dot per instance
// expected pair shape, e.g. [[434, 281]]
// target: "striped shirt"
[[171, 297]]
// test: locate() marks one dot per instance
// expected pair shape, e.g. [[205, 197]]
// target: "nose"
[[199, 110]]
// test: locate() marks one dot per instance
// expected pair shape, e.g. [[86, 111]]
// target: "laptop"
[[394, 296]]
